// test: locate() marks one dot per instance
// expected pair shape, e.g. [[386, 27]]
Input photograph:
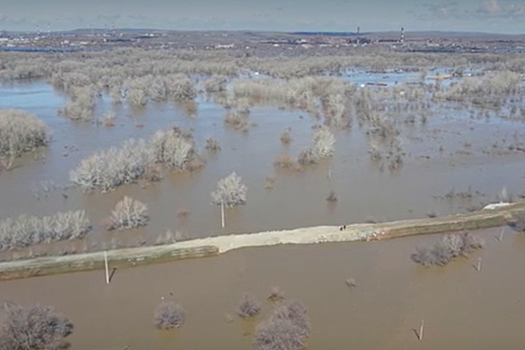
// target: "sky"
[[497, 16]]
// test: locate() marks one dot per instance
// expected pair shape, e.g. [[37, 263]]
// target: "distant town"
[[102, 39]]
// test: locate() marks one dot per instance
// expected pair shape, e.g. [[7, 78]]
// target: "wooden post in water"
[[500, 238], [106, 265], [478, 266], [421, 328], [222, 214]]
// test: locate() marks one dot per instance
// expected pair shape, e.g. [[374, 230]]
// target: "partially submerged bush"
[[169, 315], [448, 248], [286, 162], [216, 84], [230, 191], [324, 144], [306, 157], [29, 230], [286, 136], [32, 327], [238, 120], [20, 132], [212, 144], [332, 197], [249, 306], [288, 328], [128, 214], [276, 294]]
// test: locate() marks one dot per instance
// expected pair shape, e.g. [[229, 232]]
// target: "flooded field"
[[451, 152], [461, 307]]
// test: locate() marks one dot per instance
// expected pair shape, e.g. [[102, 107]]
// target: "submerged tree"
[[288, 328], [169, 315], [32, 327], [230, 191]]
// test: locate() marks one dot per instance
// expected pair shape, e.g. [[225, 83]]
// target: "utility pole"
[[106, 265], [222, 214]]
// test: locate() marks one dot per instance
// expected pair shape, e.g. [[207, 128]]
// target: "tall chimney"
[[402, 38]]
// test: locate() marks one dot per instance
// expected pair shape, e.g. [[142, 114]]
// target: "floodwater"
[[461, 307], [473, 155]]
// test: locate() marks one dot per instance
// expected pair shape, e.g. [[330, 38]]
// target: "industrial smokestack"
[[402, 38]]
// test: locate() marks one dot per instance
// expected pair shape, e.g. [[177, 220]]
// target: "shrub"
[[249, 306], [29, 230], [446, 249], [169, 315], [32, 327], [288, 328], [213, 144], [106, 170], [230, 191], [128, 214], [21, 132]]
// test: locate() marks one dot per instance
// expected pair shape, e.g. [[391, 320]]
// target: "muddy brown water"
[[462, 308], [298, 200]]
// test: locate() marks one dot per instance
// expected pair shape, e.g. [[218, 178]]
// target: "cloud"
[[490, 7], [442, 11], [496, 9]]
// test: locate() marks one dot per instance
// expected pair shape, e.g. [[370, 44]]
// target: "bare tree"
[[288, 328], [32, 327], [128, 214], [28, 230], [230, 191], [449, 247], [169, 315], [20, 132], [249, 306]]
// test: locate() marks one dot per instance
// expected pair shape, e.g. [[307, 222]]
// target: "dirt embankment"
[[206, 247]]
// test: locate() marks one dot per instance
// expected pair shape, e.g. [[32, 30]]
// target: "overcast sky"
[[501, 16]]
